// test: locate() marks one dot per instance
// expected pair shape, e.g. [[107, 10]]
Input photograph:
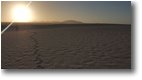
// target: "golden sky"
[[85, 11]]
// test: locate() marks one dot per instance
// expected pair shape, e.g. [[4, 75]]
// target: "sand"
[[67, 47]]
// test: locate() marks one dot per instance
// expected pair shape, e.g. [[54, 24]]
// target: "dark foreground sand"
[[67, 47]]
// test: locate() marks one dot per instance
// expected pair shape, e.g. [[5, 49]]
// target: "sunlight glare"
[[22, 14]]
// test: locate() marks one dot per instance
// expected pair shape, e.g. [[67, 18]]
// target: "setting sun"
[[21, 14]]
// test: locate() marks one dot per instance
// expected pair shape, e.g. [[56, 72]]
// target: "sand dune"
[[63, 47]]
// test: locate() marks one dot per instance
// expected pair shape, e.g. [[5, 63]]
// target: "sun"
[[22, 13]]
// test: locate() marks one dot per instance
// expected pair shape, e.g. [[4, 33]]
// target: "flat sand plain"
[[66, 47]]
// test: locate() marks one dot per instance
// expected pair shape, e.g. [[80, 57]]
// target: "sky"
[[85, 11]]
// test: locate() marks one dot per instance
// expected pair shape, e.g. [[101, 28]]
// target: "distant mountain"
[[72, 22]]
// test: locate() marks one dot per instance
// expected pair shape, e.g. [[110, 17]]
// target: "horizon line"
[[56, 22]]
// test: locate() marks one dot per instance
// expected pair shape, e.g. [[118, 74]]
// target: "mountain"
[[72, 22]]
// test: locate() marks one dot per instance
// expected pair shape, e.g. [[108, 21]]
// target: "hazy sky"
[[85, 11]]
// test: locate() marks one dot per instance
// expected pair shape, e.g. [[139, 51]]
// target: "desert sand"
[[67, 46]]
